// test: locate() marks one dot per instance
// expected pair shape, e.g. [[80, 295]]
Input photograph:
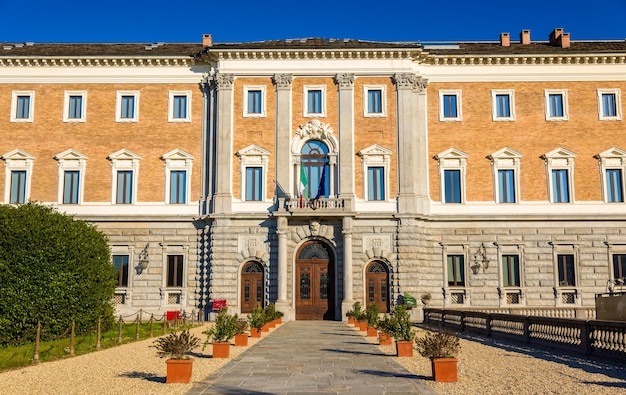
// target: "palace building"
[[313, 173]]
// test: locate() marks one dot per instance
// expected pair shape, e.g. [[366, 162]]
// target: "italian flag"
[[303, 183]]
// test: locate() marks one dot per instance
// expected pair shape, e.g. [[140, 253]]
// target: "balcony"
[[327, 206]]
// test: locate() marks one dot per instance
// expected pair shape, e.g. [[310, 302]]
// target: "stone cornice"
[[96, 61], [304, 54], [531, 59]]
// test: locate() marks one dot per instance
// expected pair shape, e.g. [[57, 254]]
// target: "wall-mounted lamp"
[[480, 259], [142, 260]]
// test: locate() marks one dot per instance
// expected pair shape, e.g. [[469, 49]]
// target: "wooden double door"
[[315, 282]]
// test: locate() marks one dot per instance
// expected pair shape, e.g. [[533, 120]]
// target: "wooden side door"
[[251, 287], [377, 280], [314, 288]]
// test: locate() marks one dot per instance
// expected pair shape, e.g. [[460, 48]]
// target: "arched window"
[[314, 170]]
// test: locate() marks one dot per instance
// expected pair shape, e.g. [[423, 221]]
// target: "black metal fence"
[[606, 339]]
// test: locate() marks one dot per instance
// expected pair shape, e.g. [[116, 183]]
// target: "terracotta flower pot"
[[404, 348], [384, 339], [221, 349], [241, 339], [272, 324], [265, 328], [363, 326], [444, 369], [255, 332], [372, 331], [179, 370], [279, 320], [351, 321]]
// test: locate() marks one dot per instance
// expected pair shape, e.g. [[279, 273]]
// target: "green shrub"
[[372, 311], [176, 346], [53, 269], [224, 329], [257, 319], [400, 323], [442, 344]]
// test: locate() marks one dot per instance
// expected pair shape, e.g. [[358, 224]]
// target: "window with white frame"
[[609, 105], [253, 167], [18, 169], [560, 168], [565, 273], [75, 106], [72, 166], [125, 171], [452, 167], [314, 101], [254, 101], [511, 274], [127, 108], [503, 105], [174, 274], [374, 101], [179, 106], [122, 266], [450, 105], [612, 168], [619, 267], [178, 165], [506, 165], [375, 162], [22, 106], [556, 105], [455, 274]]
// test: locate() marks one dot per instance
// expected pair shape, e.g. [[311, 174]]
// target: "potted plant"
[[357, 313], [372, 310], [270, 314], [279, 317], [256, 320], [220, 334], [241, 335], [385, 331], [350, 315], [441, 348], [175, 347], [402, 330]]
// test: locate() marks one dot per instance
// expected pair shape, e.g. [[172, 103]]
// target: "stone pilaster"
[[345, 84], [222, 201], [283, 133]]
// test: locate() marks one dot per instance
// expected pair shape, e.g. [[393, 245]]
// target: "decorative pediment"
[[452, 157], [253, 150], [18, 158], [375, 150], [559, 157], [612, 157], [505, 157], [70, 154], [314, 130], [123, 154], [177, 154]]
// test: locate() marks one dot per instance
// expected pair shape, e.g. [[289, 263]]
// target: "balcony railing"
[[310, 205]]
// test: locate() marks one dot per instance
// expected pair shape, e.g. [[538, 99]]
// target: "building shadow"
[[144, 376]]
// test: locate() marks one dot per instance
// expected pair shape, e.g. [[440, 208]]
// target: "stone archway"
[[252, 289], [315, 282]]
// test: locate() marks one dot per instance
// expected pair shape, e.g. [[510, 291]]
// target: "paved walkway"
[[316, 357]]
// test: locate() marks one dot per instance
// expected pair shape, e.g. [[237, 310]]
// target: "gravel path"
[[485, 367]]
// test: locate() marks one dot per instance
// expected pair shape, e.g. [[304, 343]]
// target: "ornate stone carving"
[[224, 81], [345, 81], [410, 81], [282, 81], [315, 228], [377, 245], [314, 130], [252, 247], [206, 83]]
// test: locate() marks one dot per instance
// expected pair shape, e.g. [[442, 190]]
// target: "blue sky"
[[233, 21]]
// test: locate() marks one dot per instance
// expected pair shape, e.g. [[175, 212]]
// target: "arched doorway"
[[315, 282], [377, 280], [251, 286]]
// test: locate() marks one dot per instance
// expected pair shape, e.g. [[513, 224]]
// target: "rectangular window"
[[456, 270], [450, 109], [614, 187], [374, 101], [506, 186], [23, 107], [503, 106], [560, 186], [619, 266], [452, 186], [180, 107], [510, 271], [18, 187], [609, 105], [314, 101], [124, 187], [254, 183], [121, 268], [178, 187], [565, 264], [556, 105], [75, 107], [128, 107], [174, 270], [375, 183], [71, 181], [255, 102]]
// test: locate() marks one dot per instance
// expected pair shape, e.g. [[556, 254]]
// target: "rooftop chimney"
[[555, 35], [207, 40], [505, 39], [564, 40], [524, 37]]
